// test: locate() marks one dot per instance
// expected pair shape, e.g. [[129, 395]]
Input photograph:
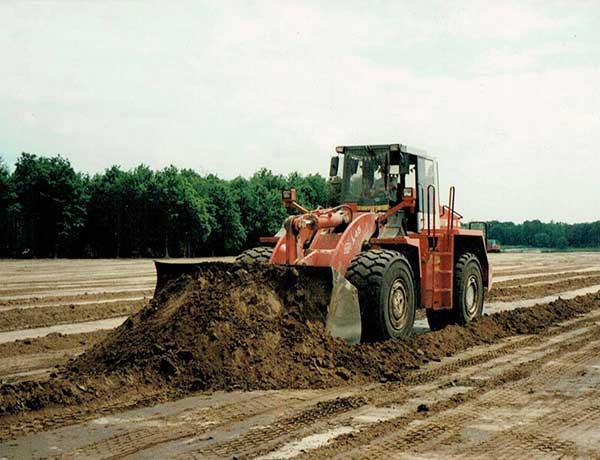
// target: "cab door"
[[427, 184]]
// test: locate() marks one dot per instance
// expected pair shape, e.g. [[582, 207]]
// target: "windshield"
[[365, 179]]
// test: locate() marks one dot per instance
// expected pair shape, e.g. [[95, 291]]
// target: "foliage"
[[49, 210], [140, 213], [52, 204], [549, 235]]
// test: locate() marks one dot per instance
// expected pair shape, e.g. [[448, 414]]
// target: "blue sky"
[[505, 94]]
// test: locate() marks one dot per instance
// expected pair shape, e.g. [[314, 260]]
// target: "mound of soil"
[[260, 327], [232, 327]]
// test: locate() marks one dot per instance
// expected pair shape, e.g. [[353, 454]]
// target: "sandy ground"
[[534, 397]]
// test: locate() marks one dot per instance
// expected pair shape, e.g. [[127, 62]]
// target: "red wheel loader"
[[390, 244]]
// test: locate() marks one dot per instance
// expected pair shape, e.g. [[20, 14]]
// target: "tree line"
[[538, 234], [47, 209]]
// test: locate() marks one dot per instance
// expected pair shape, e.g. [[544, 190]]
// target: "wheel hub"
[[397, 305], [472, 296]]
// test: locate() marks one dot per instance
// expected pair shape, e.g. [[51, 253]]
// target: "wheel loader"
[[387, 243]]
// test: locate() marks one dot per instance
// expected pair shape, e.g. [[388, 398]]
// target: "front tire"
[[386, 293], [258, 255]]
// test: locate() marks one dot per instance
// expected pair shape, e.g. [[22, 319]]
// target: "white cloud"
[[231, 88]]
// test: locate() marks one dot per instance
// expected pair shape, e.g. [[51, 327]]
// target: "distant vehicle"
[[493, 246]]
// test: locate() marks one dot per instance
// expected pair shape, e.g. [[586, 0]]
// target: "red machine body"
[[333, 237], [391, 239]]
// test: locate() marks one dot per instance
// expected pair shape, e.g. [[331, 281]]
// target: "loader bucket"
[[167, 271], [343, 312], [336, 296]]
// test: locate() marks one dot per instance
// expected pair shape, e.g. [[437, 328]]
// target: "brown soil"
[[69, 299], [230, 328], [19, 318], [539, 290], [537, 279], [51, 342], [550, 268]]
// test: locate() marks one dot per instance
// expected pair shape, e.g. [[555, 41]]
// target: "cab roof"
[[390, 147]]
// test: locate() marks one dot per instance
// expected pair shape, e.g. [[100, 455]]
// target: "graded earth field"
[[516, 386]]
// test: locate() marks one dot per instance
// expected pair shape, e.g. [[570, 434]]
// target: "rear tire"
[[258, 255], [468, 295], [386, 293], [468, 289]]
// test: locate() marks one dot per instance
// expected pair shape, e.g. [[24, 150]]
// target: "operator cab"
[[376, 177]]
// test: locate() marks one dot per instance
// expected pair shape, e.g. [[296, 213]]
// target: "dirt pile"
[[233, 327], [236, 327]]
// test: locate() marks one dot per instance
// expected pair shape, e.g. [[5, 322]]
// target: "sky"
[[505, 94]]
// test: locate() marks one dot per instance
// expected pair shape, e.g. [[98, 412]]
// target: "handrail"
[[450, 221], [431, 241], [431, 197]]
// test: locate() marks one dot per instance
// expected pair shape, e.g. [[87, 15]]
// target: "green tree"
[[4, 186], [562, 243], [312, 190], [9, 214], [541, 240], [183, 218], [259, 200], [52, 200], [227, 235], [105, 213]]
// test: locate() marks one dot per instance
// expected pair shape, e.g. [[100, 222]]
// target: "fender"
[[334, 250]]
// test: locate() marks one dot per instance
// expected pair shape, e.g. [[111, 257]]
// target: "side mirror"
[[333, 166]]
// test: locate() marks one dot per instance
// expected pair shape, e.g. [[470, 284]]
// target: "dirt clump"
[[244, 327]]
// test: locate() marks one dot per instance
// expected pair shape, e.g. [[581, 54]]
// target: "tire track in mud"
[[139, 440], [418, 377], [542, 269], [51, 342], [46, 419], [15, 368], [29, 301], [200, 421], [537, 424], [539, 279], [520, 292], [280, 430], [376, 394], [278, 434], [427, 435]]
